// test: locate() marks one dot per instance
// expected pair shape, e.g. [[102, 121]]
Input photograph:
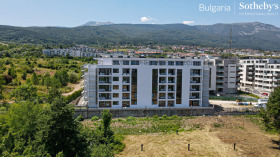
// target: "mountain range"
[[244, 35]]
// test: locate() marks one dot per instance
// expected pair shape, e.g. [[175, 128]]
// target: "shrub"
[[164, 116], [74, 96], [173, 117], [130, 118], [73, 77], [155, 117], [95, 118], [217, 125], [80, 118]]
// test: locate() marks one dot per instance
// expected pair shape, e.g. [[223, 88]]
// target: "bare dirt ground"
[[215, 137], [76, 87], [229, 104]]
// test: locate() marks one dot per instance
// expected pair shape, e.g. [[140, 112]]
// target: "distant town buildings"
[[78, 51], [148, 51]]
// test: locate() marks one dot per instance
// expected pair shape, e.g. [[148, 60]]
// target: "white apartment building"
[[146, 83], [260, 74]]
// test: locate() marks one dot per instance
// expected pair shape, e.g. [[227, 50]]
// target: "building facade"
[[146, 83], [260, 74], [223, 75]]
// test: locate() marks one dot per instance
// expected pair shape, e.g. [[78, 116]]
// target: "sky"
[[71, 13]]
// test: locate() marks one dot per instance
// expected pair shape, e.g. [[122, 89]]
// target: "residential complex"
[[260, 74], [223, 76], [146, 83], [78, 51]]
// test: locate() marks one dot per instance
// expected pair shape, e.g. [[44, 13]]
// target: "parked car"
[[265, 94], [261, 103], [260, 106]]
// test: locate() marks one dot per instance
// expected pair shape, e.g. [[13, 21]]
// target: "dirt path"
[[76, 88], [210, 140]]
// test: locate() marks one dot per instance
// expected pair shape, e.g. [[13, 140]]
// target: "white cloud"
[[187, 22], [147, 19]]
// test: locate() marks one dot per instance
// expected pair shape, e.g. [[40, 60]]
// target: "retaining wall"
[[88, 113]]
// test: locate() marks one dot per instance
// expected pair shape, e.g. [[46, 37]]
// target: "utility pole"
[[230, 40]]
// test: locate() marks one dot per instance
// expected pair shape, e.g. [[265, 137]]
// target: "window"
[[115, 103], [196, 63], [115, 95], [116, 62], [153, 62], [115, 87], [125, 62], [134, 62], [170, 62], [115, 70], [179, 63], [161, 62], [115, 78]]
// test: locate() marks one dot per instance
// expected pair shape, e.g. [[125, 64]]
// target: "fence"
[[232, 98]]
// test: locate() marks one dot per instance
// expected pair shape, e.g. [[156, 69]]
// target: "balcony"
[[195, 74], [104, 90], [104, 72], [125, 88], [162, 71], [220, 80], [195, 88], [195, 80], [194, 96], [101, 82], [162, 96], [171, 72], [104, 96], [220, 86], [220, 70]]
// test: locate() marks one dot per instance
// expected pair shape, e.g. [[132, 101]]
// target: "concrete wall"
[[199, 111]]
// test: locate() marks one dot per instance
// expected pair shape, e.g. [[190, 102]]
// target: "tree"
[[18, 128], [105, 125], [23, 76], [59, 132], [12, 72], [47, 80], [25, 92], [52, 94], [271, 115], [73, 77], [2, 81], [35, 79], [63, 77]]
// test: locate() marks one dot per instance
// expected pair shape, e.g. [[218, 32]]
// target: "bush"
[[95, 118], [73, 77], [130, 118], [80, 118], [74, 96], [164, 116], [155, 117]]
